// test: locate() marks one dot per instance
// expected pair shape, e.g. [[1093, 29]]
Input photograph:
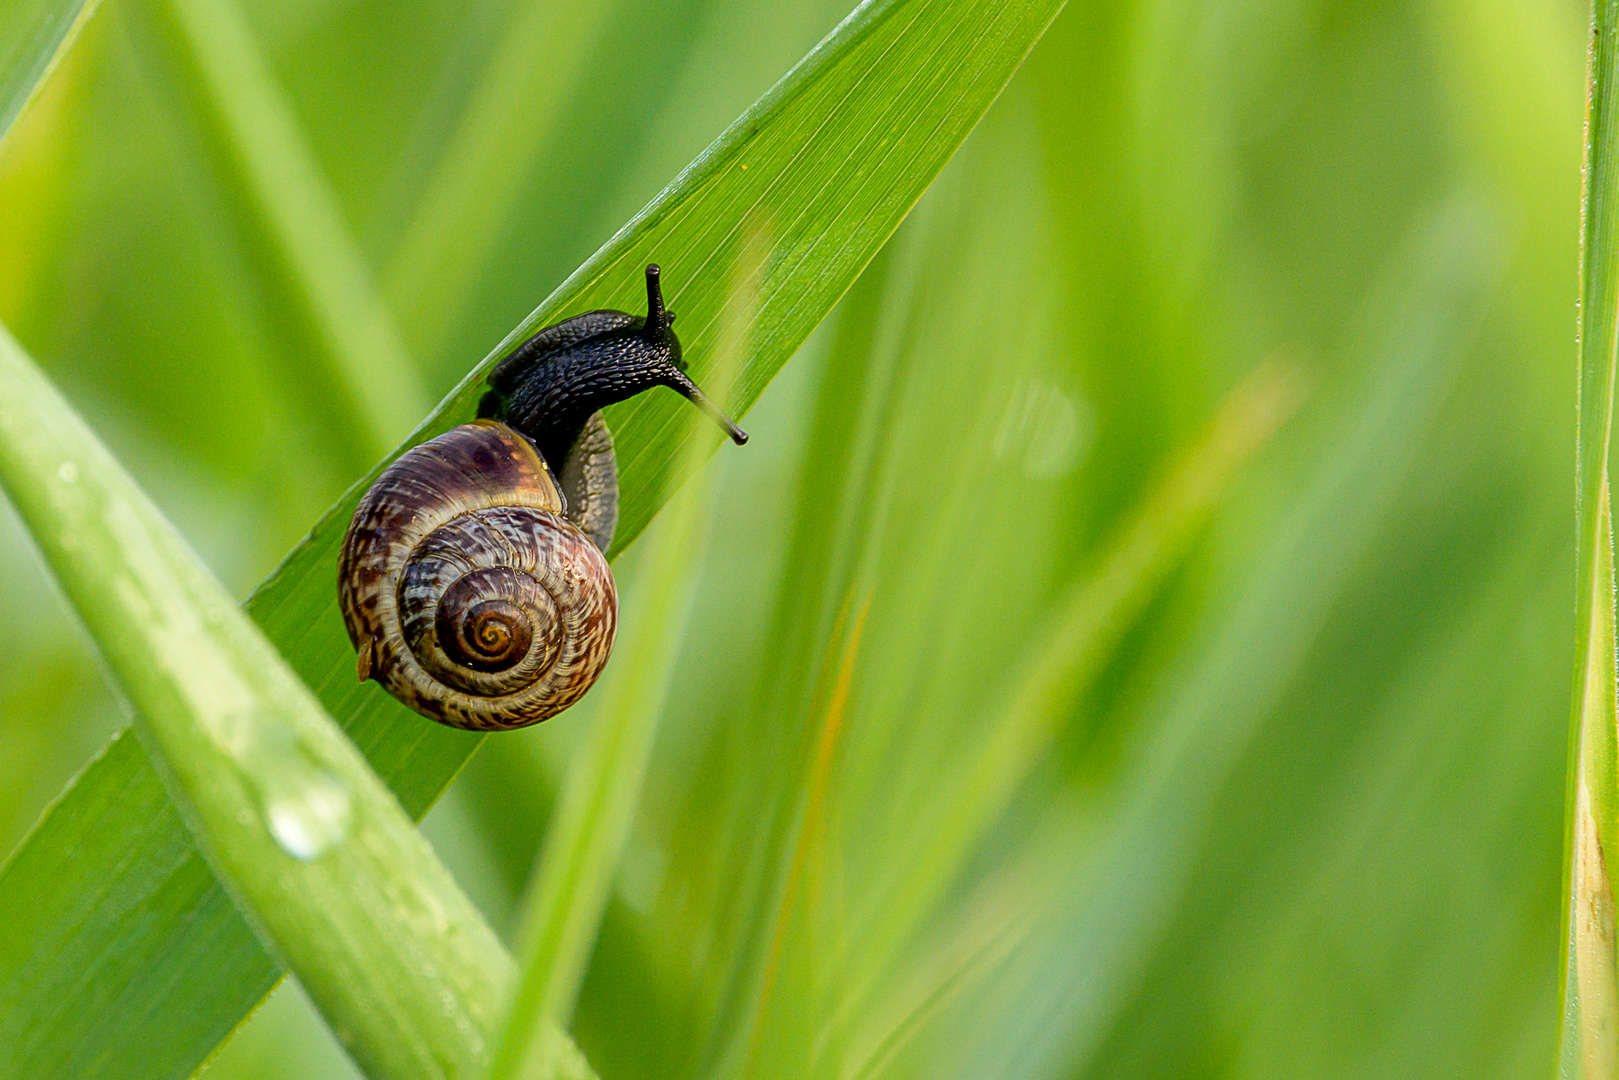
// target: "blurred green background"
[[1300, 815]]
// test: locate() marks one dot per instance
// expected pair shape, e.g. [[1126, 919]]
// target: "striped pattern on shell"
[[466, 592]]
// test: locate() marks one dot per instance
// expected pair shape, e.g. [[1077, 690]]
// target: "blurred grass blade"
[[1088, 956], [573, 878], [1073, 642], [311, 844], [1590, 1009], [33, 35], [823, 168], [1082, 631], [586, 839], [1590, 980], [978, 934], [253, 125], [488, 160]]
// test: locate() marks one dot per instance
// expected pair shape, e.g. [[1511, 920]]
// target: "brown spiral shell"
[[466, 591]]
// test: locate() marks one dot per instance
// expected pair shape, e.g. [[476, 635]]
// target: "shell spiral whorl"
[[468, 594]]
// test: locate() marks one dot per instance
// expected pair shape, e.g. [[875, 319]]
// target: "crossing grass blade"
[[573, 879], [315, 851], [823, 168]]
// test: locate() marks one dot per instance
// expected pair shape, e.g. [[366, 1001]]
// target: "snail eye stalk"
[[658, 318]]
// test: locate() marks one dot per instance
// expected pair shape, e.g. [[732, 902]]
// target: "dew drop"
[[308, 821], [1044, 430], [67, 472]]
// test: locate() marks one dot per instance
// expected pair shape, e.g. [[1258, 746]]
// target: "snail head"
[[551, 385]]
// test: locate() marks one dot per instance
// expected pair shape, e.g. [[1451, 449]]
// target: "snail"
[[472, 578]]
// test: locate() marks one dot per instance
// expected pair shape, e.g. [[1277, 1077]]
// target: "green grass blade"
[[1075, 641], [796, 197], [886, 994], [792, 201], [513, 111], [1590, 980], [572, 879], [254, 127], [309, 841], [33, 36], [889, 546], [574, 876], [1590, 1044]]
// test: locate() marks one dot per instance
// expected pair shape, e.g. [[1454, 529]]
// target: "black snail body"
[[472, 579]]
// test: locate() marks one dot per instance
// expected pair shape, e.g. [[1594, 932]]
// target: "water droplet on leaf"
[[308, 819]]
